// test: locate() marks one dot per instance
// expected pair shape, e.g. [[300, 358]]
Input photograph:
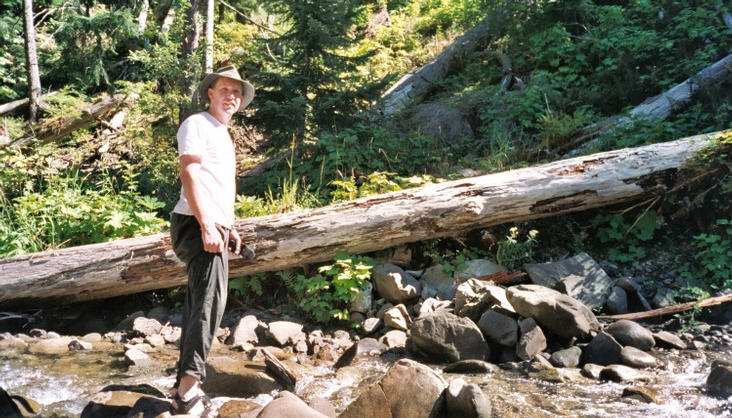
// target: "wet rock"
[[394, 339], [537, 363], [617, 301], [394, 284], [443, 284], [666, 339], [470, 366], [244, 331], [284, 332], [431, 305], [532, 340], [79, 345], [590, 285], [664, 297], [631, 333], [603, 350], [592, 370], [51, 346], [391, 397], [112, 403], [147, 406], [633, 357], [466, 400], [641, 393], [11, 342], [398, 318], [171, 335], [52, 334], [362, 300], [323, 406], [371, 325], [256, 354], [288, 405], [475, 296], [145, 348], [557, 312], [362, 347], [238, 378], [569, 357], [448, 337], [138, 358], [719, 381], [498, 328], [9, 407], [620, 373], [239, 408], [477, 268], [38, 333], [146, 326]]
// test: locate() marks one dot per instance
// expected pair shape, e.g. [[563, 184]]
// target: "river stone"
[[288, 405], [448, 337], [620, 373], [244, 332], [370, 325], [393, 397], [470, 366], [156, 340], [323, 406], [119, 400], [557, 312], [92, 337], [51, 346], [498, 328], [603, 350], [472, 299], [617, 301], [666, 339], [79, 345], [664, 297], [532, 340], [569, 357], [284, 332], [146, 326], [633, 357], [126, 324], [362, 300], [466, 400], [592, 370], [431, 305], [147, 406], [138, 358], [641, 393], [239, 408], [362, 347], [634, 291], [477, 268], [237, 378], [394, 339], [39, 333], [443, 284], [592, 288], [719, 381], [394, 284], [631, 333], [159, 313], [398, 318]]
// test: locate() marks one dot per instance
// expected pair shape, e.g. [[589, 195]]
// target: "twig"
[[704, 303], [637, 219], [247, 18]]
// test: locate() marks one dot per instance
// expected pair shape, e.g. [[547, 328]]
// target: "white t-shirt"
[[202, 134]]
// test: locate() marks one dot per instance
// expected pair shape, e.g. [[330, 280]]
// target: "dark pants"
[[208, 275]]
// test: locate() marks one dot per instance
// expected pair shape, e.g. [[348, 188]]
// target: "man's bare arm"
[[190, 167]]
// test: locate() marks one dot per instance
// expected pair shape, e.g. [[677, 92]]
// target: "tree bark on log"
[[377, 222]]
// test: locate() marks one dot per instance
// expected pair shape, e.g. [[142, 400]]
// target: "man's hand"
[[234, 239], [213, 242]]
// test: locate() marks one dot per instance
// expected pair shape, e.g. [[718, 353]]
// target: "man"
[[201, 226]]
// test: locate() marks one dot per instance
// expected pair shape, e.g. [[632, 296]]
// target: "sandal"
[[181, 407]]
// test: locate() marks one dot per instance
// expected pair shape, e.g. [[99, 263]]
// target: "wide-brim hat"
[[229, 72]]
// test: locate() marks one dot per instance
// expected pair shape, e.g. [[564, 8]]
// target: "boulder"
[[470, 366], [633, 357], [126, 324], [569, 357], [51, 346], [146, 326], [392, 397], [475, 297], [394, 284], [590, 284], [631, 333], [532, 340], [239, 408], [119, 400], [498, 328], [617, 301], [285, 332], [603, 350], [79, 345], [641, 393], [634, 292], [245, 331], [620, 373], [592, 371], [666, 339], [370, 325], [440, 120], [436, 278], [398, 318], [431, 305], [288, 405], [238, 378], [448, 337], [136, 357], [466, 400], [394, 339], [477, 268], [559, 313], [719, 381]]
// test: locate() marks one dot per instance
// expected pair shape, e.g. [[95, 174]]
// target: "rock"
[[617, 301], [532, 340], [431, 305], [159, 313], [631, 333], [38, 333], [237, 378], [557, 312], [603, 350], [362, 347], [126, 324], [394, 339], [443, 284], [16, 406], [52, 334], [92, 337], [477, 268], [239, 408], [398, 318], [370, 325], [470, 366], [284, 332], [664, 297], [156, 340], [51, 346], [147, 406], [138, 358], [719, 381], [538, 363], [323, 406], [592, 370], [79, 345], [146, 326], [362, 300], [114, 403], [288, 405], [666, 339], [171, 335], [569, 357], [591, 287], [466, 400], [394, 284], [634, 291], [440, 120], [620, 373], [391, 397], [475, 296], [641, 393], [245, 331], [499, 328], [448, 337], [12, 343], [633, 357]]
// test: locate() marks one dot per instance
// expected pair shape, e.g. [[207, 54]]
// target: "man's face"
[[225, 96]]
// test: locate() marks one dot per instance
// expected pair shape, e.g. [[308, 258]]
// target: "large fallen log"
[[368, 224]]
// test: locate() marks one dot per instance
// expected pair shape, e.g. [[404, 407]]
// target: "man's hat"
[[228, 72]]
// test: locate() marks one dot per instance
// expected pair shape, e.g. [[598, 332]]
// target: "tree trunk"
[[168, 20], [189, 51], [142, 17], [15, 104], [210, 16], [416, 85], [368, 224], [31, 60]]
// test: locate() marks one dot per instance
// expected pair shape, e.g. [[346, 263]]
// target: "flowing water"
[[65, 383]]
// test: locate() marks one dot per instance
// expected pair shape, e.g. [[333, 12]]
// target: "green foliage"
[[712, 261], [627, 241], [325, 296], [248, 287], [511, 252], [375, 183]]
